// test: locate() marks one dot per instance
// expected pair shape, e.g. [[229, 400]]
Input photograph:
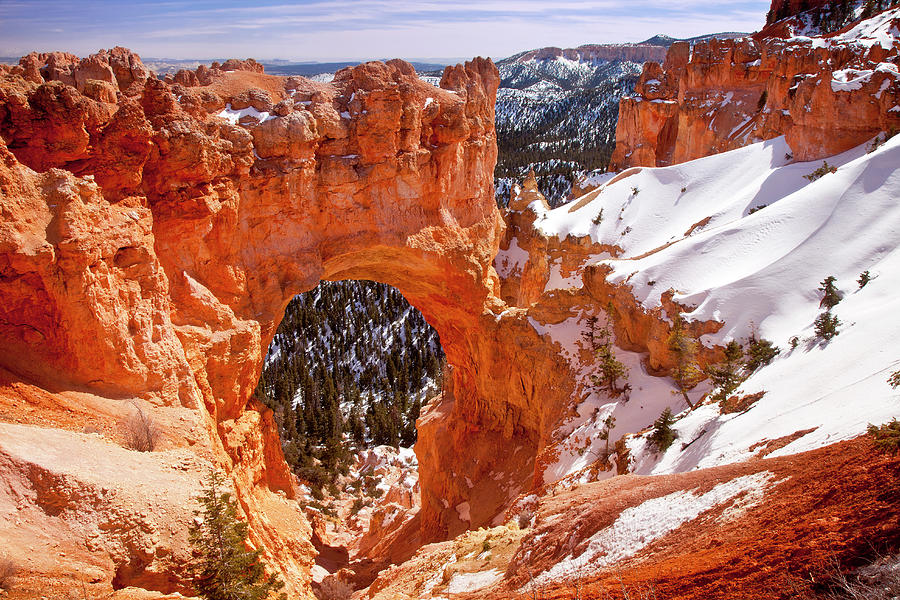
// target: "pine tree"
[[224, 568], [831, 295], [611, 369], [826, 325], [609, 424], [685, 373], [869, 9], [864, 278], [726, 376], [894, 379], [886, 437], [760, 352], [663, 435]]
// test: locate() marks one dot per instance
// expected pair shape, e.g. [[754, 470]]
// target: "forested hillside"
[[558, 117], [350, 367]]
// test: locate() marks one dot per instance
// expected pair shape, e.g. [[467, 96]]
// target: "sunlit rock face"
[[154, 231], [826, 94]]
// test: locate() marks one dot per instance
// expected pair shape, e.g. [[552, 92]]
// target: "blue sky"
[[356, 29]]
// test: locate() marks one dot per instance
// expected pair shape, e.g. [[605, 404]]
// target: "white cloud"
[[356, 29]]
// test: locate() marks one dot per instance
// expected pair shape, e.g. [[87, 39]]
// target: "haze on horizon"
[[328, 30]]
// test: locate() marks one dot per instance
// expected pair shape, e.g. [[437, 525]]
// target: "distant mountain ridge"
[[593, 53], [653, 48], [557, 109], [307, 69]]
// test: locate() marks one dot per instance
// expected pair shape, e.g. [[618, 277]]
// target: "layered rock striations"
[[826, 95], [153, 233]]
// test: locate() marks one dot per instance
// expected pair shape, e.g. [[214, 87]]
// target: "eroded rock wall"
[[826, 95], [153, 233]]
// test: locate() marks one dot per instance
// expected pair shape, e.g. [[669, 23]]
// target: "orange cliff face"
[[152, 236], [153, 233], [826, 95]]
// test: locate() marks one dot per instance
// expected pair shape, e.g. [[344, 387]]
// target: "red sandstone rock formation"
[[153, 234], [167, 230], [148, 245], [751, 546], [723, 94]]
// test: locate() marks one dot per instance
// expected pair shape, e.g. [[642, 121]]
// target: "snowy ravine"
[[689, 228]]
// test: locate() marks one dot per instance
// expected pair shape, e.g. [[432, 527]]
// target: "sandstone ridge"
[[152, 236], [154, 231], [826, 95]]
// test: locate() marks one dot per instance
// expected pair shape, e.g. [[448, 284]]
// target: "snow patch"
[[511, 261], [472, 582], [639, 526], [234, 116], [463, 510]]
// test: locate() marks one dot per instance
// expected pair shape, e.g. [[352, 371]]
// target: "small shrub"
[[358, 505], [333, 588], [140, 431], [894, 379], [598, 219], [684, 189], [684, 348], [8, 570], [886, 437], [878, 580], [610, 369], [864, 278], [757, 208], [876, 143], [663, 435], [826, 325], [831, 296], [609, 423], [485, 546], [880, 140], [635, 191], [760, 352], [794, 341], [825, 169]]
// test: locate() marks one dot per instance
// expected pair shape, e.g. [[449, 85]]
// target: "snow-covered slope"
[[689, 228]]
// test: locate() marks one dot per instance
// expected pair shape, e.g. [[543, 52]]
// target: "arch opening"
[[349, 369]]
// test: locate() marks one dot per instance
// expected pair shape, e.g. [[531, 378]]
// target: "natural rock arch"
[[149, 247]]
